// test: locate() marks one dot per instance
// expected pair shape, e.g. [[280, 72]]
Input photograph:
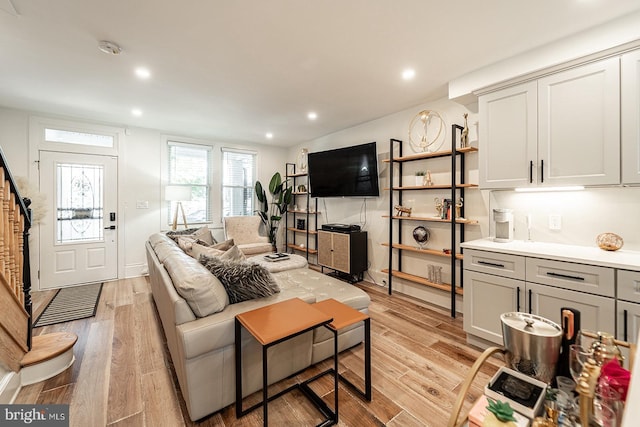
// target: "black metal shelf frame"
[[293, 175], [457, 229]]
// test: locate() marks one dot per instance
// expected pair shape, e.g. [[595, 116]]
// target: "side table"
[[271, 325], [344, 316]]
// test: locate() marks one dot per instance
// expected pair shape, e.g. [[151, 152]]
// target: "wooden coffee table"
[[271, 325]]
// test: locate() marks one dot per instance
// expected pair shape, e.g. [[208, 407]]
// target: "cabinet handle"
[[625, 325], [564, 276], [530, 171], [530, 300], [491, 264], [542, 170], [518, 298]]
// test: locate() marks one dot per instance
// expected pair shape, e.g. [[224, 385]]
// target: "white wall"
[[140, 169], [350, 210]]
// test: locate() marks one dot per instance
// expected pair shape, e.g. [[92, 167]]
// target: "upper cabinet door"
[[508, 137], [631, 118], [579, 125]]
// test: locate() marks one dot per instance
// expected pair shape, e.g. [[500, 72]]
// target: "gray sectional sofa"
[[202, 344]]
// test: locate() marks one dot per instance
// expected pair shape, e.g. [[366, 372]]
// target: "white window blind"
[[190, 166], [238, 179]]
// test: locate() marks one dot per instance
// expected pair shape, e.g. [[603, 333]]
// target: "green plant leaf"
[[274, 185]]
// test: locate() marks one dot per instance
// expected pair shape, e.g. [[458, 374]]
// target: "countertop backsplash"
[[584, 214]]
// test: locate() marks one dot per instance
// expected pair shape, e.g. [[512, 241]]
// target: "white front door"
[[78, 237]]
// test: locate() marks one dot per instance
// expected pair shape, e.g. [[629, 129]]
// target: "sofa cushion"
[[256, 248], [226, 250], [203, 291], [243, 281], [201, 233]]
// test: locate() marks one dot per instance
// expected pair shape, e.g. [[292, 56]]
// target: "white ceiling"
[[231, 71]]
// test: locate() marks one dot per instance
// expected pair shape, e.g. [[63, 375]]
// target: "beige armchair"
[[245, 232]]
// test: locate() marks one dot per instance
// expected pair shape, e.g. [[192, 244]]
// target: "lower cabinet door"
[[597, 313], [486, 297], [628, 321]]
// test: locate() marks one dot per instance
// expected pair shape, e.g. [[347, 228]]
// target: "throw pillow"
[[232, 254], [223, 246], [243, 281], [202, 234], [203, 292]]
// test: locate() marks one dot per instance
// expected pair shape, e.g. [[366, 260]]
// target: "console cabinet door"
[[334, 250], [579, 125], [341, 252], [597, 313], [508, 137], [486, 297], [630, 94], [325, 253]]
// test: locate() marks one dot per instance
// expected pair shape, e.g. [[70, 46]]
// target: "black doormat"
[[77, 302]]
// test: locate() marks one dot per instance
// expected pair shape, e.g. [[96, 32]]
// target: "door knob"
[[111, 227]]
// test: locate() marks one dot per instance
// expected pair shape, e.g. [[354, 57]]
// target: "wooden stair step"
[[46, 347]]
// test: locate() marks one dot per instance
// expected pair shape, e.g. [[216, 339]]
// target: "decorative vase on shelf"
[[302, 160]]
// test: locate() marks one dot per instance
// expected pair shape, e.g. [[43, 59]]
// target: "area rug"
[[77, 302]]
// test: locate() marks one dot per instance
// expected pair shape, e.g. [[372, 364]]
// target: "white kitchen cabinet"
[[563, 129], [486, 297], [597, 313], [628, 319], [630, 120], [496, 283], [628, 316], [508, 135], [579, 125]]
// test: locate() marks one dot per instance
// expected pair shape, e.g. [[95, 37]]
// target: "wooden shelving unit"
[[396, 246], [294, 236], [422, 281]]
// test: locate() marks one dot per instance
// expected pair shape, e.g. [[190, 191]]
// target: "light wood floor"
[[123, 375]]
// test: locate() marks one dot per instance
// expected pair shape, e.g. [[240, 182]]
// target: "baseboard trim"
[[135, 270]]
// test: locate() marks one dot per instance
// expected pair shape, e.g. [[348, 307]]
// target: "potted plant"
[[420, 177], [271, 212]]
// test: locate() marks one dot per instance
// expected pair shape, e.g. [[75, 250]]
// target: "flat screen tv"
[[344, 172]]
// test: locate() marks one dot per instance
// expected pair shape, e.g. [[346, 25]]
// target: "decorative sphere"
[[421, 235], [302, 245]]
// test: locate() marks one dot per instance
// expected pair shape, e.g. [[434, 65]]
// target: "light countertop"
[[592, 255]]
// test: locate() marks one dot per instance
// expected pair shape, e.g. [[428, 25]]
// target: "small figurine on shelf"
[[302, 188], [402, 210], [439, 206], [427, 179], [464, 135], [459, 205]]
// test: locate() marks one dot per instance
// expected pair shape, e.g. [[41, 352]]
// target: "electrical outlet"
[[555, 222]]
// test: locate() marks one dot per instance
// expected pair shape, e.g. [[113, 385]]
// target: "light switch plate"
[[142, 204]]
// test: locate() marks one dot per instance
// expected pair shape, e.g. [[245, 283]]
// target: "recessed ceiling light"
[[110, 48], [312, 115], [143, 73], [408, 74], [269, 135], [136, 112]]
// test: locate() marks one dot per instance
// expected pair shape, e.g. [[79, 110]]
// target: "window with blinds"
[[190, 166], [238, 179]]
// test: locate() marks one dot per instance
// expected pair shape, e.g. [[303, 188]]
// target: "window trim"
[[168, 142], [253, 153]]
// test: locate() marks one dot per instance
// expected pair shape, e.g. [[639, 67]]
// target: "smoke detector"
[[110, 48]]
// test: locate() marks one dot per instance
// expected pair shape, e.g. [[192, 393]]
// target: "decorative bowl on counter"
[[609, 241]]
